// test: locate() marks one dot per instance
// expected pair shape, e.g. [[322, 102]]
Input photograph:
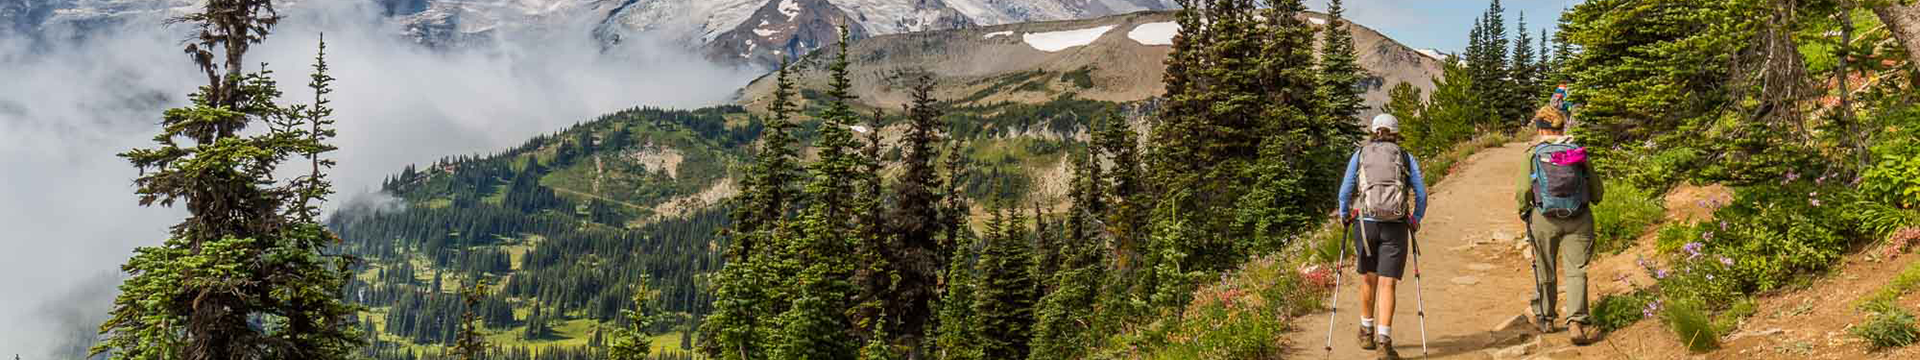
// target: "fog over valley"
[[68, 106]]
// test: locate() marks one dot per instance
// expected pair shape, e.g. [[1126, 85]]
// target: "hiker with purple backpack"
[[1556, 201]]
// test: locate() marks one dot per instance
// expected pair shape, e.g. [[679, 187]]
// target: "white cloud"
[[67, 209]]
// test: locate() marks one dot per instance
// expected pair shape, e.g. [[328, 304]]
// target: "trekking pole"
[[1539, 289], [1420, 305], [1345, 235]]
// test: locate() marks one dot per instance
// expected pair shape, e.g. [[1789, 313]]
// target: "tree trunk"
[[1904, 22]]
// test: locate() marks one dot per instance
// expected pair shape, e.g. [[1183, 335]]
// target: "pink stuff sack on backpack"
[[1569, 157]]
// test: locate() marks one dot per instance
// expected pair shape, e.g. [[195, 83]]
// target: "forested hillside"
[[565, 223]]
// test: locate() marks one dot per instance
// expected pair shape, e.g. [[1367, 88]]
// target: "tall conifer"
[[815, 325], [243, 277]]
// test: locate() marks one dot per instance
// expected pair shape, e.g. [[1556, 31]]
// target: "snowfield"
[[1435, 54], [999, 34], [789, 8], [1062, 40], [1317, 21], [1153, 34]]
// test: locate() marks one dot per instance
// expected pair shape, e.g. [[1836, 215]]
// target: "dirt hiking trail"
[[1475, 277]]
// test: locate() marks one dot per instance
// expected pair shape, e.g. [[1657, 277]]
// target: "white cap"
[[1385, 121]]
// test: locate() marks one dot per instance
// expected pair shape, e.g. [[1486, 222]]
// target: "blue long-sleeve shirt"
[[1353, 176]]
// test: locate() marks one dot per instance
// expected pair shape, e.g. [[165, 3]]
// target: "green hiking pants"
[[1561, 244]]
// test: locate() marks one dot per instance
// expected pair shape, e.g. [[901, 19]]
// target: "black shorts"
[[1384, 250]]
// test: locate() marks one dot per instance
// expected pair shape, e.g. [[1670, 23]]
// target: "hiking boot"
[[1544, 324], [1583, 334], [1386, 349], [1366, 338]]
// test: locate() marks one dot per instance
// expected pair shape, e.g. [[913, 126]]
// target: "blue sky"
[[1443, 24]]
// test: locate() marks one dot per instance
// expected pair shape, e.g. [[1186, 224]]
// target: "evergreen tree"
[[1240, 104], [815, 326], [1492, 77], [876, 275], [1125, 221], [1640, 88], [955, 337], [470, 343], [243, 277], [1005, 296], [635, 341], [915, 225], [1562, 53], [1450, 112], [1404, 102], [746, 293], [1061, 330], [1524, 70], [1340, 74]]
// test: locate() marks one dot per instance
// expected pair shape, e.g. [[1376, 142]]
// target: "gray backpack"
[[1383, 181]]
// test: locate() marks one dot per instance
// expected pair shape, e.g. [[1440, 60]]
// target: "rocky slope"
[[1117, 58]]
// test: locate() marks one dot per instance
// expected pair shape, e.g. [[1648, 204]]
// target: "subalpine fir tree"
[[1007, 291], [1298, 155], [1240, 100], [470, 343], [635, 341], [1340, 72], [243, 277], [955, 337], [1061, 330], [746, 294], [1562, 53], [1450, 113], [815, 325], [1125, 221], [1404, 102], [875, 275], [1524, 71], [916, 248]]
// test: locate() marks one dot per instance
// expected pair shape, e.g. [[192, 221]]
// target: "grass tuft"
[[1891, 327], [1692, 325]]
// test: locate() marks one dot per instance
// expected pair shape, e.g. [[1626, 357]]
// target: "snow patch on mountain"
[[789, 8], [1317, 21], [1435, 54], [999, 34], [1154, 34], [1062, 40]]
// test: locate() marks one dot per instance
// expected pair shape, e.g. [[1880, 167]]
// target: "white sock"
[[1382, 330], [1366, 322]]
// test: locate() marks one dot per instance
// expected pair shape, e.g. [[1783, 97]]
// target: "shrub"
[[1890, 328], [1690, 322], [1767, 236], [1895, 178], [1626, 213], [1614, 312], [1246, 315]]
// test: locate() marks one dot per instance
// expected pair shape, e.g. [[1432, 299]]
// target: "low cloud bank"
[[67, 211]]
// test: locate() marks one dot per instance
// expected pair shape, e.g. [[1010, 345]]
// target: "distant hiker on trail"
[[1556, 198], [1384, 176]]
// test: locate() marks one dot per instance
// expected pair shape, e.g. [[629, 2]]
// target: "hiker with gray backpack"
[[1384, 179], [1556, 201]]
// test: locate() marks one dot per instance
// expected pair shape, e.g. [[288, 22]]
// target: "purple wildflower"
[[1709, 276], [1693, 248], [1660, 273], [1723, 225], [1708, 236], [1815, 202], [1726, 261]]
